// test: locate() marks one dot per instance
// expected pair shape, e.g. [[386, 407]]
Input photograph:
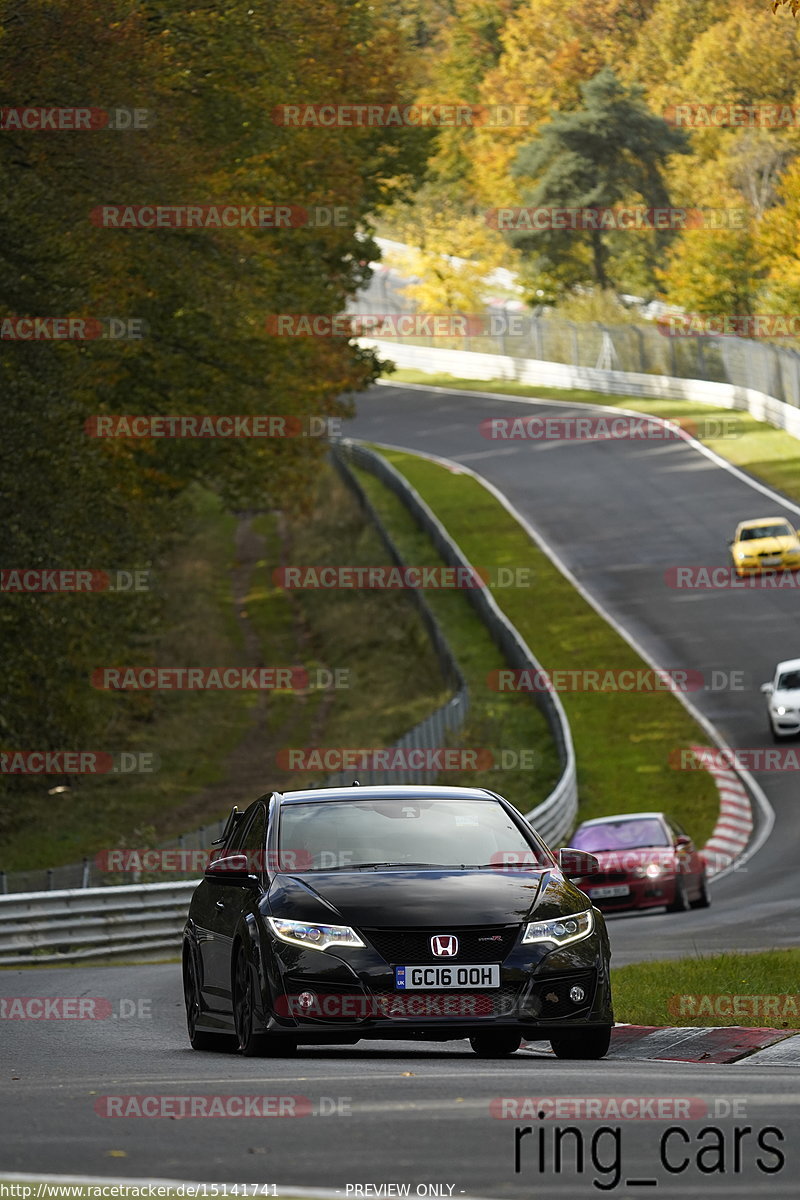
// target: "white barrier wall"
[[470, 365]]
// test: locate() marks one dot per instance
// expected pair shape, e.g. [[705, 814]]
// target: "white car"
[[783, 699]]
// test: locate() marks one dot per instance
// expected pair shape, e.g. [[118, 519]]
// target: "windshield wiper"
[[374, 865]]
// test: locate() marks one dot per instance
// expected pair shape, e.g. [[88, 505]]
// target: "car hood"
[[771, 545], [787, 698], [403, 899]]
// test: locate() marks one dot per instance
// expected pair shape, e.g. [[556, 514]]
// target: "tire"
[[704, 899], [250, 1043], [495, 1043], [198, 1038], [681, 901], [587, 1043]]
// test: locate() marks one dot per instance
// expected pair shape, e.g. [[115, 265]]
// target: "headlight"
[[651, 871], [311, 936], [561, 930], [743, 554]]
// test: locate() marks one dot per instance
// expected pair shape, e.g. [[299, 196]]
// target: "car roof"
[[791, 664], [761, 521], [637, 816], [407, 791]]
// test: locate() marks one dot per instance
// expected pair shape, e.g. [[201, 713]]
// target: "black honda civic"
[[414, 912]]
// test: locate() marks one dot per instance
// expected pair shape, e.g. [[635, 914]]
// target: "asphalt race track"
[[619, 514], [399, 1113]]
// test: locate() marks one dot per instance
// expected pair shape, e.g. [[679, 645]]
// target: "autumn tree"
[[609, 151], [211, 77]]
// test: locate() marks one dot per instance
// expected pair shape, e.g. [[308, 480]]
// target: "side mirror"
[[767, 689], [682, 842], [575, 863], [235, 869]]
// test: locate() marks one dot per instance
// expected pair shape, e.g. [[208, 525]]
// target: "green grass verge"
[[190, 733], [760, 990], [510, 726], [375, 637], [623, 741], [769, 454], [199, 737]]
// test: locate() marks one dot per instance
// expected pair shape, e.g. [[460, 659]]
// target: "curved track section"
[[618, 515], [422, 1119]]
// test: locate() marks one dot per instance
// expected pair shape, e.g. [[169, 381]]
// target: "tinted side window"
[[234, 844], [253, 841]]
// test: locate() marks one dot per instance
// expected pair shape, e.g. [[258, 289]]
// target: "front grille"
[[402, 947], [549, 998], [609, 877]]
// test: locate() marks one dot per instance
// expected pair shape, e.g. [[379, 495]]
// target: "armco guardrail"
[[130, 921], [555, 816], [429, 733], [79, 924]]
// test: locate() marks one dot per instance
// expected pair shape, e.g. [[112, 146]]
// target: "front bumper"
[[542, 992], [755, 567], [642, 892], [787, 724]]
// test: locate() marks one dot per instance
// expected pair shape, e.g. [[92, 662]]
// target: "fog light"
[[306, 1000], [576, 994]]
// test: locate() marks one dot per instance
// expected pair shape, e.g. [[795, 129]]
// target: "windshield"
[[777, 529], [620, 835], [789, 681], [404, 832]]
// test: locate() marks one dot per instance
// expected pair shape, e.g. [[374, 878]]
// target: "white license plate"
[[771, 562], [605, 893], [464, 975]]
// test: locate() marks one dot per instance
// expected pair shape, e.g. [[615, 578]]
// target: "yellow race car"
[[765, 544]]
